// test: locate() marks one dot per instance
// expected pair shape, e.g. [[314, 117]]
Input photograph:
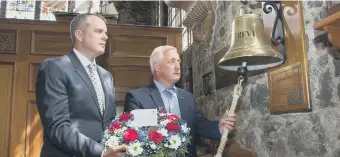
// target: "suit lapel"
[[80, 70], [156, 96], [182, 106]]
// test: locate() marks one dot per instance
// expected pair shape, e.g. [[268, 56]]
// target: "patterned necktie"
[[173, 102], [99, 91]]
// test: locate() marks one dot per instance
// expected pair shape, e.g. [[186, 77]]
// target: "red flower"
[[125, 117], [155, 136], [172, 117], [172, 126], [130, 135], [115, 126]]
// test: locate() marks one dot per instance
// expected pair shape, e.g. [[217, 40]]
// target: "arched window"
[[176, 17]]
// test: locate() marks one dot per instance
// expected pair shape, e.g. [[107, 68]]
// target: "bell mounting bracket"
[[278, 28], [268, 7]]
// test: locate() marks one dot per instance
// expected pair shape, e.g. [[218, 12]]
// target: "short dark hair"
[[81, 21]]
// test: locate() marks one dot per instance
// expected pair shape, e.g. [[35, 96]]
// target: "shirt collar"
[[84, 61], [161, 87]]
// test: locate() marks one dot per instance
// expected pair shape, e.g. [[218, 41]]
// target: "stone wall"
[[137, 12], [311, 134]]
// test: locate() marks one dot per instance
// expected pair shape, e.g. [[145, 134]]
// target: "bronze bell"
[[250, 44]]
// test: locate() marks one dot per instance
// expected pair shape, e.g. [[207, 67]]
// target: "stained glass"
[[50, 6], [20, 9], [25, 9], [92, 6]]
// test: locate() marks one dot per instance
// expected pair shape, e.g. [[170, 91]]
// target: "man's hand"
[[114, 151], [227, 122]]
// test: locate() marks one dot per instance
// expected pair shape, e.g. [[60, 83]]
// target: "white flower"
[[124, 128], [175, 141], [165, 122], [153, 146], [164, 132], [120, 131], [166, 145], [112, 141], [132, 124], [106, 134], [185, 128], [183, 139], [116, 131], [135, 149]]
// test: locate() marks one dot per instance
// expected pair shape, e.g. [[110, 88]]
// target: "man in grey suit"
[[75, 97], [162, 93]]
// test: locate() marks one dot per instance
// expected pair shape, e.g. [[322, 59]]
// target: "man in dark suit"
[[75, 97], [162, 93]]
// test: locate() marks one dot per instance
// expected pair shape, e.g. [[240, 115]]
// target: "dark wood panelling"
[[143, 61], [128, 78], [7, 41], [50, 43], [134, 45], [33, 71], [131, 76], [34, 130], [6, 94]]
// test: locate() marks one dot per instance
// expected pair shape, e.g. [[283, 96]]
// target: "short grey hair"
[[81, 21], [156, 54]]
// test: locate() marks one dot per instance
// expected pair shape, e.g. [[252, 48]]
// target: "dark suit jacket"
[[69, 110], [150, 98]]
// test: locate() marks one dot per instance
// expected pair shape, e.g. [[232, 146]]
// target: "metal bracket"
[[268, 7]]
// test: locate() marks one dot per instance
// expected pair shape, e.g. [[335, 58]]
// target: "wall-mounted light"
[[250, 49]]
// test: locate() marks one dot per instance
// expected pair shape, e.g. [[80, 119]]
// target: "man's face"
[[169, 67], [94, 36]]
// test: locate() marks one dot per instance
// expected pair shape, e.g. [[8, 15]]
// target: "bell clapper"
[[242, 71]]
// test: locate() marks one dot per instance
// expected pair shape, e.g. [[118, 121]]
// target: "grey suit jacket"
[[69, 109], [150, 98]]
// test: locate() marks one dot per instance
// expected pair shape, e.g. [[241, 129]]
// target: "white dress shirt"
[[85, 62]]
